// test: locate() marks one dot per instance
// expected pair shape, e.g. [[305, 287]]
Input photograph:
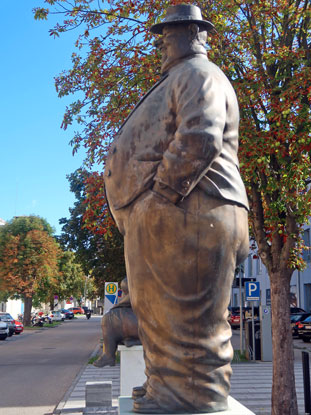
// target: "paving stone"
[[251, 385]]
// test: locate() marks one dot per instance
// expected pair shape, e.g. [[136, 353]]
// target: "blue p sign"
[[252, 291]]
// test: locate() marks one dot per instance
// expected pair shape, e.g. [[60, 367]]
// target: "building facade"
[[254, 269]]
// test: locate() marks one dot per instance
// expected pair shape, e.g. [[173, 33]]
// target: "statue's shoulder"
[[195, 70], [196, 66]]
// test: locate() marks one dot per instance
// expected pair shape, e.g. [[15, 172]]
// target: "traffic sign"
[[111, 288], [111, 298], [252, 291], [111, 295]]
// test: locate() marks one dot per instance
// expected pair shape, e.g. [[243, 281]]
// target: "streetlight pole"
[[85, 289], [241, 309]]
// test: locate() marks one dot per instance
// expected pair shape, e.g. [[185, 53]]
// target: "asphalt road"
[[38, 367]]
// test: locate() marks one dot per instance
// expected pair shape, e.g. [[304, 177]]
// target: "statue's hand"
[[166, 192]]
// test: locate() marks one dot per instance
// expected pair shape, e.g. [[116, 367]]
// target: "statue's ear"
[[193, 31]]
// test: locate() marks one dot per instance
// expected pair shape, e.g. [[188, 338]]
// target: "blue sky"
[[35, 154]]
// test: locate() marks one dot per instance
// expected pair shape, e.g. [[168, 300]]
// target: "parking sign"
[[252, 291]]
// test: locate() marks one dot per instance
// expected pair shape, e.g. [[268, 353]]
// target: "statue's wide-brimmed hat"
[[182, 13]]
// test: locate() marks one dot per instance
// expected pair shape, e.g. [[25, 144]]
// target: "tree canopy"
[[28, 258], [34, 267], [264, 49], [100, 257]]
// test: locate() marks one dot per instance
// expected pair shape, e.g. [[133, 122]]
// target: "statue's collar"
[[183, 59]]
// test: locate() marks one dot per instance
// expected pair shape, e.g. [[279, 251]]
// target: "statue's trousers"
[[180, 263]]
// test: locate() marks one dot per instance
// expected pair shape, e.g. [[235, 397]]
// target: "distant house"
[[2, 222], [254, 269]]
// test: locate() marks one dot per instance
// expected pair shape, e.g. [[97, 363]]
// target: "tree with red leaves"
[[28, 258]]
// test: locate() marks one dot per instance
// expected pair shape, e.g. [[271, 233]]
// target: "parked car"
[[7, 318], [19, 328], [296, 321], [234, 315], [76, 310], [68, 314], [304, 330], [56, 315], [296, 310], [4, 330]]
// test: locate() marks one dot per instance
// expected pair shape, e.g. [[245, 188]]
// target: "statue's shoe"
[[129, 342], [146, 405], [138, 392], [104, 360]]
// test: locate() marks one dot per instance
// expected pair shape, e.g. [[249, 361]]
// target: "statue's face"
[[174, 44]]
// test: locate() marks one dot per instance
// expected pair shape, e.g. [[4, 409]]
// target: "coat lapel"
[[142, 100]]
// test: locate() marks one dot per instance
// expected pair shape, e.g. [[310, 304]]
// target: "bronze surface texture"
[[174, 188]]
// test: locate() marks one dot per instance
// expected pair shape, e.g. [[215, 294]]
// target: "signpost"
[[111, 295], [241, 315], [252, 293]]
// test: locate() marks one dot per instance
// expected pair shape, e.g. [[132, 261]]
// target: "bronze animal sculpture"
[[119, 326], [174, 188]]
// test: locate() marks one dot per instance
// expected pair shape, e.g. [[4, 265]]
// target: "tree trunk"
[[27, 311], [51, 303], [284, 400]]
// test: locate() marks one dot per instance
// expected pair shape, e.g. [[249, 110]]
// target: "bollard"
[[306, 381], [98, 399]]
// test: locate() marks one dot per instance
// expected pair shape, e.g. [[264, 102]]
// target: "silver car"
[[4, 330], [56, 315], [9, 320]]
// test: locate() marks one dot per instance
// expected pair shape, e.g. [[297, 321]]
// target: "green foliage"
[[72, 278], [20, 225], [100, 257], [28, 255], [51, 325], [32, 264], [28, 259], [263, 47], [4, 296]]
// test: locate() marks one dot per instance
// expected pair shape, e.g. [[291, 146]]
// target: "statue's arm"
[[200, 107]]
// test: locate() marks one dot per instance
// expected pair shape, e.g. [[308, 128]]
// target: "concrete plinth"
[[235, 408], [132, 367]]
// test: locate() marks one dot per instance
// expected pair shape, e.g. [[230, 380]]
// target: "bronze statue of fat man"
[[175, 191]]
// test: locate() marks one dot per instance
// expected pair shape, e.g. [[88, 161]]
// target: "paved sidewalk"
[[251, 385], [74, 400]]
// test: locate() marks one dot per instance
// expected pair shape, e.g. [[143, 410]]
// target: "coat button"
[[185, 184], [108, 173], [114, 150]]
